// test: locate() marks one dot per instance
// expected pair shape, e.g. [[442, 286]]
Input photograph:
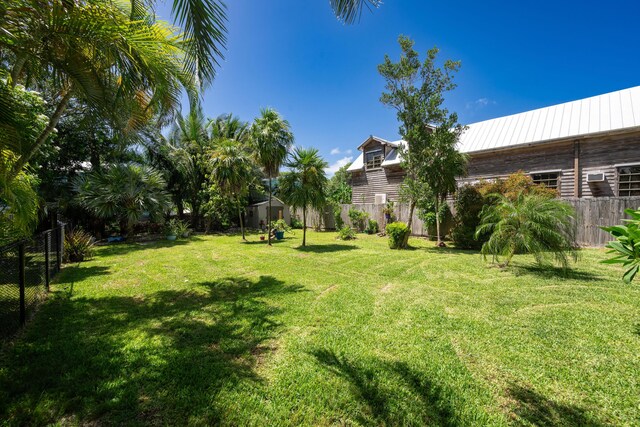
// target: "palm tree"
[[187, 146], [530, 223], [122, 62], [228, 126], [304, 186], [233, 170], [124, 193], [272, 138]]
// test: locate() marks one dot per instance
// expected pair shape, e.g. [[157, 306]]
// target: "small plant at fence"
[[372, 227], [398, 235], [337, 217], [346, 233], [389, 212], [78, 245], [176, 228], [182, 228], [626, 247], [358, 219]]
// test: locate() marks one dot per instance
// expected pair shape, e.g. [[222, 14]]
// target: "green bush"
[[372, 227], [281, 225], [346, 233], [337, 217], [296, 223], [358, 219], [78, 245], [626, 247], [398, 235], [468, 204]]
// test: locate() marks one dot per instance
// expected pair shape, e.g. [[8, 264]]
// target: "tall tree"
[[416, 91], [304, 186], [272, 138], [233, 170]]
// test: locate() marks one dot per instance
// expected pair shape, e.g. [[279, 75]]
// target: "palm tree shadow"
[[123, 248], [554, 272], [165, 355], [382, 405], [533, 408], [327, 248]]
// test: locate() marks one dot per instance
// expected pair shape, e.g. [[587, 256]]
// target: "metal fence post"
[[58, 249], [47, 273], [21, 283]]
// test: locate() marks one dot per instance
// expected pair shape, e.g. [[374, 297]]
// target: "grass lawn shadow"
[[554, 272], [157, 359], [333, 247], [533, 408], [123, 248], [79, 272], [372, 383]]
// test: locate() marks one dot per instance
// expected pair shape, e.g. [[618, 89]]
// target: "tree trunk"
[[241, 222], [269, 214], [412, 207], [53, 121], [17, 69], [304, 226], [180, 208], [437, 221]]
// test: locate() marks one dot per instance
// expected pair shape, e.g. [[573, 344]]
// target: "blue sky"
[[321, 75]]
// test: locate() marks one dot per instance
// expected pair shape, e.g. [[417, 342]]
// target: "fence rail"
[[592, 213], [26, 269]]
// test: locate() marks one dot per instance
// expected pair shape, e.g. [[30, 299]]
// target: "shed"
[[258, 212]]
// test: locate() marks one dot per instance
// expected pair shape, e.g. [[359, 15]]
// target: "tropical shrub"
[[296, 223], [398, 235], [78, 245], [389, 211], [626, 247], [358, 219], [182, 228], [123, 193], [346, 233], [337, 215], [468, 205], [281, 225], [372, 227], [427, 214], [531, 223], [171, 228], [514, 185]]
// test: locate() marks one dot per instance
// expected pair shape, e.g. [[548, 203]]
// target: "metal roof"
[[598, 115], [611, 112]]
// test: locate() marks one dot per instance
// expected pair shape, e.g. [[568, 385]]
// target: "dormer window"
[[373, 159]]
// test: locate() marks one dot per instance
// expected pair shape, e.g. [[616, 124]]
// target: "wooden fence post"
[[59, 238]]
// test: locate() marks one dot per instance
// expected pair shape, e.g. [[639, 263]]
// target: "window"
[[548, 179], [373, 159], [629, 181]]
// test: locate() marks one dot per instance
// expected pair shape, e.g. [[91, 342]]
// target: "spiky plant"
[[530, 223], [124, 193]]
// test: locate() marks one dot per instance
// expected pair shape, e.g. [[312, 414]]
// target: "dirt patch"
[[386, 288]]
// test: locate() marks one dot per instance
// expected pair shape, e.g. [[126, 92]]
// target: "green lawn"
[[214, 331]]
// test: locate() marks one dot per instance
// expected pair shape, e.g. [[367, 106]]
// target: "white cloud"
[[337, 151], [479, 103], [333, 167]]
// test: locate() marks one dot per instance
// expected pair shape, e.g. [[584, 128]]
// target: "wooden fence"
[[592, 213]]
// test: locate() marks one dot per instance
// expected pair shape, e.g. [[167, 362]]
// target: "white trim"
[[623, 165], [546, 171]]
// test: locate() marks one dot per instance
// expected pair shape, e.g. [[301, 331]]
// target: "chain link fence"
[[26, 268]]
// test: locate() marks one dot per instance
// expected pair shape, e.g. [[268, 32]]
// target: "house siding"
[[593, 154]]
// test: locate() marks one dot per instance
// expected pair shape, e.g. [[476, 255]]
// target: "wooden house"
[[586, 148]]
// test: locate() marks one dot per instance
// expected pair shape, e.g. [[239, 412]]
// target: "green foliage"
[[78, 245], [531, 224], [123, 193], [427, 213], [358, 219], [281, 225], [514, 185], [398, 233], [346, 233], [372, 227], [338, 188], [176, 227], [416, 91], [468, 205], [389, 209], [19, 205], [626, 247], [296, 223]]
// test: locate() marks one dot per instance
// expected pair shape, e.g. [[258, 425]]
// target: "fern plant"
[[626, 247], [529, 223]]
